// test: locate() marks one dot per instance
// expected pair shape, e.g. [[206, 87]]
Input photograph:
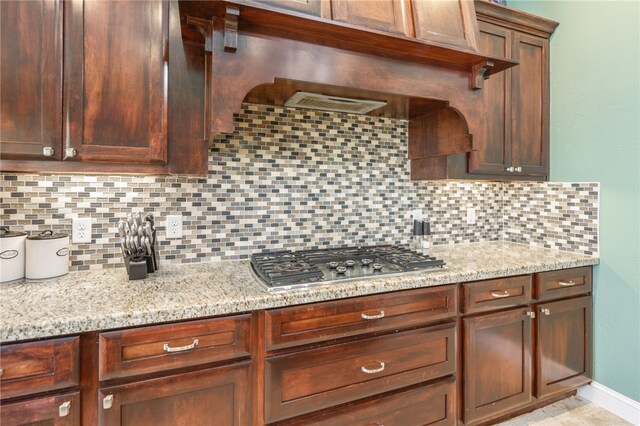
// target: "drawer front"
[[324, 321], [311, 380], [482, 296], [33, 367], [428, 405], [164, 347], [58, 410], [563, 283]]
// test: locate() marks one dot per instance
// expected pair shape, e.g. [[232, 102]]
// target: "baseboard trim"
[[612, 401]]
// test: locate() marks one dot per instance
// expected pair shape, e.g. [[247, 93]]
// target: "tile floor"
[[573, 411]]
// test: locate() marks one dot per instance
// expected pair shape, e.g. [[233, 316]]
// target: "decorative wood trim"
[[479, 73], [204, 27], [231, 17]]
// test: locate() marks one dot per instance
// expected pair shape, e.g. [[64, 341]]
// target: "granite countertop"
[[98, 300]]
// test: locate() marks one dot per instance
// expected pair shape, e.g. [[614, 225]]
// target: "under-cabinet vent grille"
[[332, 103]]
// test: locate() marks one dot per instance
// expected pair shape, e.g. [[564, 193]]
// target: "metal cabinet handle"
[[566, 283], [1, 372], [47, 151], [371, 317], [509, 169], [518, 169], [64, 409], [531, 314], [375, 370], [545, 311], [70, 152], [107, 402], [499, 295], [167, 348]]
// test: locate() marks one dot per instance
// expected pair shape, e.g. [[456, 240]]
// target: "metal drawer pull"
[[64, 409], [107, 402], [374, 371], [545, 311], [167, 348], [531, 314], [370, 317], [500, 295], [566, 283], [1, 372]]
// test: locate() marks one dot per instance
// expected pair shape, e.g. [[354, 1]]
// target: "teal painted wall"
[[595, 136]]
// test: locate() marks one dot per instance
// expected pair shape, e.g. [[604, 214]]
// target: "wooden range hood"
[[264, 54]]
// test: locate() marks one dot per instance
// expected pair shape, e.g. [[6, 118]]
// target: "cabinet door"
[[115, 81], [494, 156], [563, 359], [31, 79], [530, 85], [57, 410], [497, 363], [450, 22], [319, 8], [215, 396], [386, 15]]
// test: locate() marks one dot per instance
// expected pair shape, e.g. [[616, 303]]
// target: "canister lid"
[[47, 235], [5, 233]]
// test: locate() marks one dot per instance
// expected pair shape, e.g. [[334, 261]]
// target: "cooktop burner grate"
[[287, 270]]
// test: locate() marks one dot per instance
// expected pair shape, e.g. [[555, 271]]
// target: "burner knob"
[[333, 265], [366, 262], [350, 263], [341, 269], [377, 267]]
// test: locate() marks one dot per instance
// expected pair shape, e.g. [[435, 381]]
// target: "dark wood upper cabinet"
[[446, 21], [116, 66], [392, 16], [563, 348], [497, 363], [31, 73], [320, 8]]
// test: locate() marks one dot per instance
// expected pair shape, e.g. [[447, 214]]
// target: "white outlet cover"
[[81, 230], [173, 227], [471, 216]]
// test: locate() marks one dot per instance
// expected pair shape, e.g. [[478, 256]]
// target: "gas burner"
[[349, 263], [377, 267], [366, 262], [341, 269], [333, 265], [290, 266]]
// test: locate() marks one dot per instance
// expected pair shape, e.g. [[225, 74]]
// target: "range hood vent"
[[332, 103]]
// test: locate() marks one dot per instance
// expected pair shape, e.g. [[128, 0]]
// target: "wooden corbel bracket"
[[479, 73], [204, 27], [231, 16]]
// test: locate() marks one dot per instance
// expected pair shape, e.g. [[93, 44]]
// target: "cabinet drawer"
[[563, 283], [59, 410], [428, 405], [481, 296], [318, 322], [38, 366], [311, 380], [158, 348]]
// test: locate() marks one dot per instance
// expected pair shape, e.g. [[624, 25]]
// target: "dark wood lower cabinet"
[[215, 396], [57, 410], [563, 347], [432, 405], [497, 363]]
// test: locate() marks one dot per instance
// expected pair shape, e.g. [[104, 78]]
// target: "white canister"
[[11, 255], [47, 255]]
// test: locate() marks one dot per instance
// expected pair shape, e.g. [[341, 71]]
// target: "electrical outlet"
[[81, 230], [471, 216], [174, 227]]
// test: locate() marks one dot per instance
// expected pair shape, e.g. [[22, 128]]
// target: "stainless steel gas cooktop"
[[289, 270]]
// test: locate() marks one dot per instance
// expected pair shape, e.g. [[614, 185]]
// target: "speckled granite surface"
[[85, 301]]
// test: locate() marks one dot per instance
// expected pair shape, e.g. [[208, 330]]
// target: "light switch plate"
[[174, 227], [81, 230], [471, 216]]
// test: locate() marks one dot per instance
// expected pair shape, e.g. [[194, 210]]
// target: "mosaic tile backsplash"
[[293, 179]]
